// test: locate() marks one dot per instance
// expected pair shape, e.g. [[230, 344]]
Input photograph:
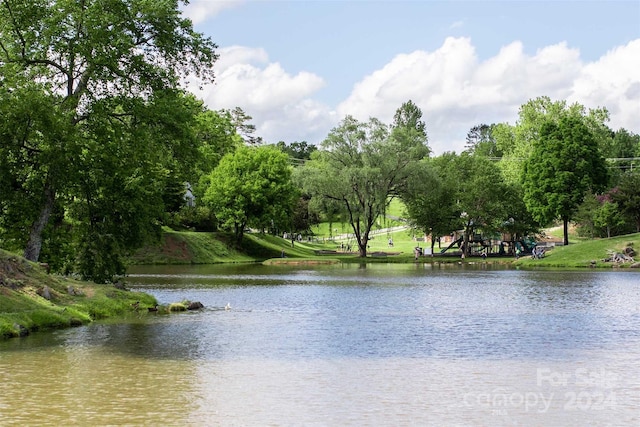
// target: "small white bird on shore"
[[227, 307]]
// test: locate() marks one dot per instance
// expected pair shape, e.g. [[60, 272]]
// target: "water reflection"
[[73, 381], [401, 311], [385, 345]]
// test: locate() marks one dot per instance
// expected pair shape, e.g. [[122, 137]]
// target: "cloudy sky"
[[298, 67]]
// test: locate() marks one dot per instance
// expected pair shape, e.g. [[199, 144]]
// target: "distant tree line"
[[99, 142]]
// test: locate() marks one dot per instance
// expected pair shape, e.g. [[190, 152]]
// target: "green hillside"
[[206, 248], [588, 253]]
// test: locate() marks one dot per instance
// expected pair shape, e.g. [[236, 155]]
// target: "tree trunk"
[[363, 241], [239, 232], [465, 241], [34, 244], [362, 248], [433, 244], [361, 238], [565, 224]]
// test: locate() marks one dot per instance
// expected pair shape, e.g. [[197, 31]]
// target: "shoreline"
[[34, 300]]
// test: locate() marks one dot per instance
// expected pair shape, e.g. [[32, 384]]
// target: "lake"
[[381, 344]]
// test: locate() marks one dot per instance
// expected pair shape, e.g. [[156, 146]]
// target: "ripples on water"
[[452, 314], [383, 345]]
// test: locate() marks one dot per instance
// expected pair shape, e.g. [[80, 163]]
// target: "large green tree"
[[125, 166], [627, 196], [480, 194], [480, 141], [429, 198], [453, 192], [84, 81], [252, 187], [565, 163], [516, 142], [363, 165], [216, 136]]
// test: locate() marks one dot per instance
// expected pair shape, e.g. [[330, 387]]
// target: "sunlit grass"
[[557, 233], [186, 247], [393, 217], [71, 302], [589, 253]]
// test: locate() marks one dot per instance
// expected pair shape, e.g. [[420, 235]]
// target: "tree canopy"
[[627, 196], [565, 163], [252, 187], [361, 165], [429, 198], [479, 194], [516, 142], [92, 95], [297, 150], [480, 141]]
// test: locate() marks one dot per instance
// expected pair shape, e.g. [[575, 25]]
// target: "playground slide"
[[452, 244]]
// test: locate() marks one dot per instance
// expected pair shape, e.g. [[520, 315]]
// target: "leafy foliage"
[[297, 150], [517, 142], [627, 196], [252, 187], [429, 198], [362, 165], [480, 141], [623, 147], [94, 121], [241, 122], [564, 165]]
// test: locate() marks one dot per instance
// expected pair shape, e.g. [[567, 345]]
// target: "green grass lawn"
[[207, 248], [186, 247], [396, 209], [584, 254], [391, 218]]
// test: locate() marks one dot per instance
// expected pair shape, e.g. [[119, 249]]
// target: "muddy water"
[[381, 345]]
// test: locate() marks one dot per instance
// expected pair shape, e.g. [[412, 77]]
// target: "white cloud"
[[613, 82], [454, 89], [201, 10], [233, 55], [280, 103]]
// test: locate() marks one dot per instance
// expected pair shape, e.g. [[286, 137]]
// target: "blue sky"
[[298, 67]]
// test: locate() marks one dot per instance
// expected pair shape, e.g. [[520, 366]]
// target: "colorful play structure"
[[504, 244]]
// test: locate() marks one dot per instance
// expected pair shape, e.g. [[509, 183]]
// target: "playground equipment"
[[505, 245]]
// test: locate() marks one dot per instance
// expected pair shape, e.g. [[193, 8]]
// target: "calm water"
[[382, 345]]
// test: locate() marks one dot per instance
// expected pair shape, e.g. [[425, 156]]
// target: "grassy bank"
[[186, 247], [212, 248], [180, 247], [207, 248], [32, 300], [585, 254]]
